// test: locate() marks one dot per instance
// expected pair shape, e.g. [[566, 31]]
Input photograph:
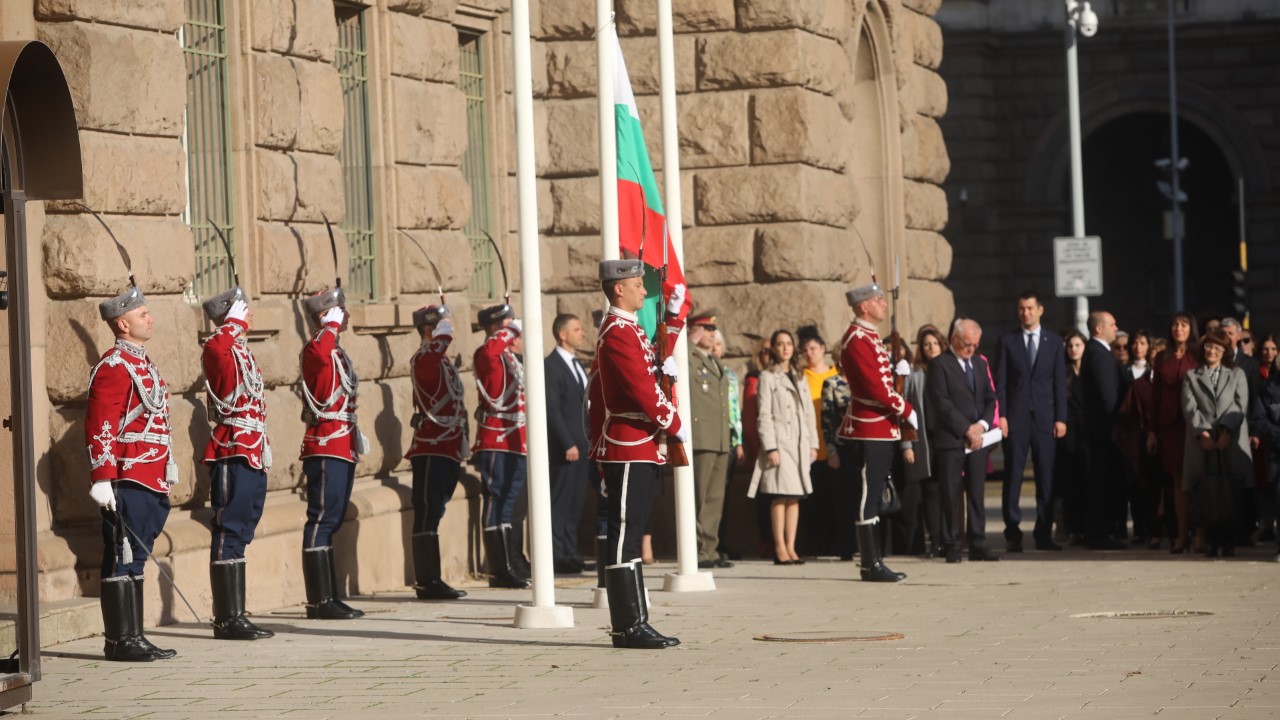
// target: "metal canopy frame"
[[39, 160]]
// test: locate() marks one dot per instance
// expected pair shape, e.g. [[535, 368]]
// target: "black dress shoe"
[[982, 555], [776, 561], [708, 564], [1013, 545], [1048, 545], [642, 637], [722, 563], [952, 554]]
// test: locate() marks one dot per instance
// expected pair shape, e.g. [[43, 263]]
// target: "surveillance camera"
[[1088, 21]]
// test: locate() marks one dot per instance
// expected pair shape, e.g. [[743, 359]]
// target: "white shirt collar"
[[1033, 331], [615, 310], [961, 360], [567, 356], [866, 325]]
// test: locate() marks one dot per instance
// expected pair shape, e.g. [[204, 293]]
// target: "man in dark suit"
[[961, 408], [1252, 373], [567, 437], [1031, 385], [1101, 378]]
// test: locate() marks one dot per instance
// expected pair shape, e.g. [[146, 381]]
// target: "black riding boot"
[[602, 550], [628, 612], [317, 575], [500, 574], [137, 623], [873, 568], [229, 621], [515, 553], [123, 641], [426, 569], [333, 583]]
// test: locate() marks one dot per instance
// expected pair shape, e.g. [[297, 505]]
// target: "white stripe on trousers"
[[324, 479], [222, 532], [862, 504], [622, 528]]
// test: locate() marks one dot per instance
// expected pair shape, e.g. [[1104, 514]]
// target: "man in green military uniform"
[[709, 388]]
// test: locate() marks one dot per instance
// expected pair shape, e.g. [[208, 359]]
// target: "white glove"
[[903, 368], [444, 327], [239, 311], [102, 494], [669, 367], [515, 325], [677, 299], [333, 315], [683, 434], [912, 421]]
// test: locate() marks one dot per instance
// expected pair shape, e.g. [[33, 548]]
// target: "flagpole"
[[687, 578], [605, 31], [543, 613]]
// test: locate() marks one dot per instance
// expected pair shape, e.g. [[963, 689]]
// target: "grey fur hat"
[[119, 305]]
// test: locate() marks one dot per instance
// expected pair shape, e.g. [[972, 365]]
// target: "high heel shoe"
[[776, 561]]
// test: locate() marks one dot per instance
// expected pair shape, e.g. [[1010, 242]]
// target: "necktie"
[[577, 371], [1031, 348], [968, 373]]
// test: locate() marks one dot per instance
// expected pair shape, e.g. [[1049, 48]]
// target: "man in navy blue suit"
[[567, 437], [1031, 384]]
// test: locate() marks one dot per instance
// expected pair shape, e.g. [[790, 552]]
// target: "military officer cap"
[[495, 314], [217, 306], [704, 318], [621, 269], [862, 294], [429, 315], [324, 300], [130, 299]]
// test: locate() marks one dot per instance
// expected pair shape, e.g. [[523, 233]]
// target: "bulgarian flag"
[[640, 211]]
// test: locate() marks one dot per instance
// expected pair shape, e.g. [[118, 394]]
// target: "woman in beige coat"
[[1215, 401], [788, 444]]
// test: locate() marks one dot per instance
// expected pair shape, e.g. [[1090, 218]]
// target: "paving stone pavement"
[[980, 640]]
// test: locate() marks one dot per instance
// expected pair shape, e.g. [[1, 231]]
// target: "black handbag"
[[890, 502], [1214, 500]]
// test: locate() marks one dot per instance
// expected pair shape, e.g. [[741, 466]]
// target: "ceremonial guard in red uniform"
[[872, 423], [131, 468], [238, 456], [331, 446], [438, 447], [500, 442], [627, 412]]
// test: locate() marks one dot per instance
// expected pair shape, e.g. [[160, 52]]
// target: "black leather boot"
[[873, 568], [495, 549], [516, 560], [602, 549], [333, 583], [426, 569], [229, 621], [317, 576], [137, 623], [122, 638], [628, 613]]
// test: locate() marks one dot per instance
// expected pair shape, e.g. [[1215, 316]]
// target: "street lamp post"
[[1080, 20]]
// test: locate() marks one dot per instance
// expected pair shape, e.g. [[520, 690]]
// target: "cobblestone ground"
[[979, 640]]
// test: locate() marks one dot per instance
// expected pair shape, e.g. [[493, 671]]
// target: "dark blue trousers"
[[329, 482], [434, 480], [237, 493], [502, 475], [631, 489], [144, 512], [1041, 446]]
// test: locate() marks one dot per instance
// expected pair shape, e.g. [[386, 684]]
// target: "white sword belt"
[[249, 424], [147, 437]]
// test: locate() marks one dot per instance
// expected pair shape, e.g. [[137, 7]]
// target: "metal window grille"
[[475, 161], [356, 157], [207, 137]]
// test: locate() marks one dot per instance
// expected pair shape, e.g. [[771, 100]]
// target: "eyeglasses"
[[1246, 341]]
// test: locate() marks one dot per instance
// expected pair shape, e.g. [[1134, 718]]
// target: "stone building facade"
[[805, 126], [1009, 194]]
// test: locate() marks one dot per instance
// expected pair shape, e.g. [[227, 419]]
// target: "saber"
[[333, 245], [163, 573], [124, 254], [226, 245], [434, 269], [506, 287]]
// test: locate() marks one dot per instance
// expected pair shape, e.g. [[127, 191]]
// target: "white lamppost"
[[1083, 21]]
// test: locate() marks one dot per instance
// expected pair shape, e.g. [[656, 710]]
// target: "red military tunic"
[[500, 380], [440, 417], [126, 425], [875, 410], [329, 391], [626, 408], [236, 398]]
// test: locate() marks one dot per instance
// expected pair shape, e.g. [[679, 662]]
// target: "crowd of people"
[[1158, 440]]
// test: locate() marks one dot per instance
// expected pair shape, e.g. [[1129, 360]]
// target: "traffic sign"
[[1077, 266]]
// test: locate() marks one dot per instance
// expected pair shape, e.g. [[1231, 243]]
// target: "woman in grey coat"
[[1215, 403], [788, 444], [915, 454]]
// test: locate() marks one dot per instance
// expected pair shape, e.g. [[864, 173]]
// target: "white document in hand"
[[989, 438]]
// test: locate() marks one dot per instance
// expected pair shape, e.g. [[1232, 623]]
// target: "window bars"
[[475, 161], [352, 62]]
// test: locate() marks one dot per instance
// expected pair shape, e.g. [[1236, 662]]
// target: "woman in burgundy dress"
[[1166, 432]]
